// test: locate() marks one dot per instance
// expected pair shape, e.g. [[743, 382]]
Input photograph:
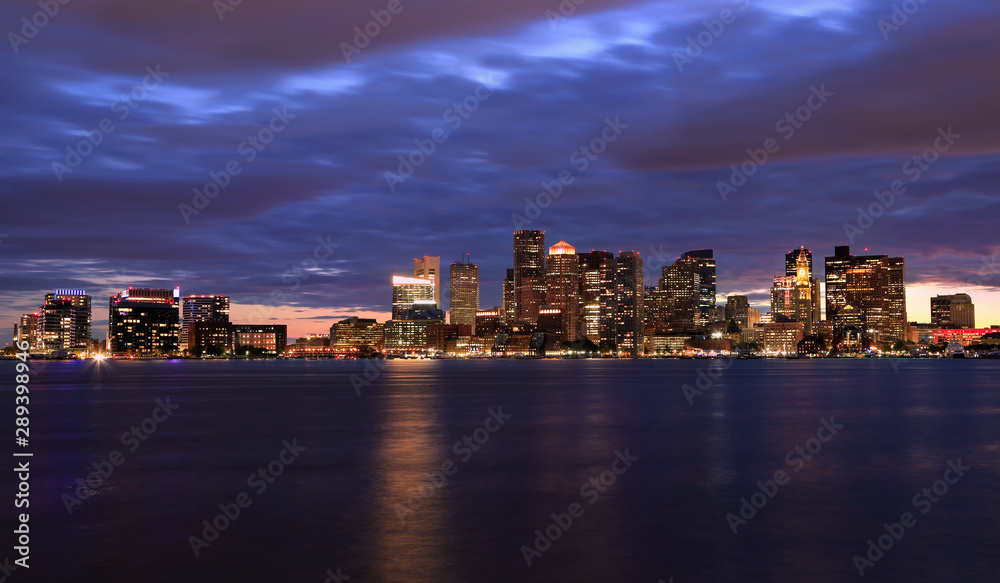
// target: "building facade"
[[144, 322], [529, 274], [463, 293], [562, 287], [629, 319]]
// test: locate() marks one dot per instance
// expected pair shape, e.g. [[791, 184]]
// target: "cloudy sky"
[[116, 114]]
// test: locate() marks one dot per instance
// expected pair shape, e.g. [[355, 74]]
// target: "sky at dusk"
[[300, 118]]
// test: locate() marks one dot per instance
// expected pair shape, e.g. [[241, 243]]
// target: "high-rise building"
[[878, 292], [562, 287], [682, 282], [792, 262], [408, 333], [629, 314], [201, 309], [429, 268], [30, 331], [738, 310], [784, 299], [63, 322], [508, 310], [489, 322], [463, 293], [706, 280], [953, 311], [357, 333], [597, 296], [408, 290], [807, 308], [144, 321], [529, 274]]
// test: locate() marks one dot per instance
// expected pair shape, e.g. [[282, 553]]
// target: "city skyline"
[[285, 165]]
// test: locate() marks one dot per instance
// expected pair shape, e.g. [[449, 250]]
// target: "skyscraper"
[[629, 313], [682, 282], [65, 320], [562, 287], [463, 293], [408, 290], [529, 274], [706, 280], [201, 309], [784, 299], [879, 294], [836, 281], [508, 315], [144, 321], [428, 267], [792, 261], [738, 310], [597, 295], [953, 311]]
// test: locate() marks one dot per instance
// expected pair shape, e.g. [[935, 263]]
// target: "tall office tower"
[[896, 297], [836, 281], [408, 290], [529, 274], [953, 311], [629, 313], [784, 299], [597, 295], [656, 305], [30, 331], [463, 293], [562, 287], [682, 282], [706, 283], [867, 287], [201, 309], [888, 319], [429, 268], [738, 310], [792, 261], [65, 320], [144, 321], [807, 308], [753, 317], [508, 313]]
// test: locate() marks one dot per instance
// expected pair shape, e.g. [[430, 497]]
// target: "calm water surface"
[[368, 457]]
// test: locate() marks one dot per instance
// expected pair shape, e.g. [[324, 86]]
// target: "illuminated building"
[[271, 338], [357, 333], [792, 262], [682, 282], [963, 336], [628, 313], [874, 284], [551, 320], [656, 306], [201, 309], [562, 287], [782, 338], [597, 295], [207, 335], [705, 259], [753, 317], [406, 291], [489, 323], [508, 298], [463, 293], [738, 310], [448, 337], [71, 329], [30, 331], [429, 268], [408, 333], [144, 321], [953, 311], [529, 274]]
